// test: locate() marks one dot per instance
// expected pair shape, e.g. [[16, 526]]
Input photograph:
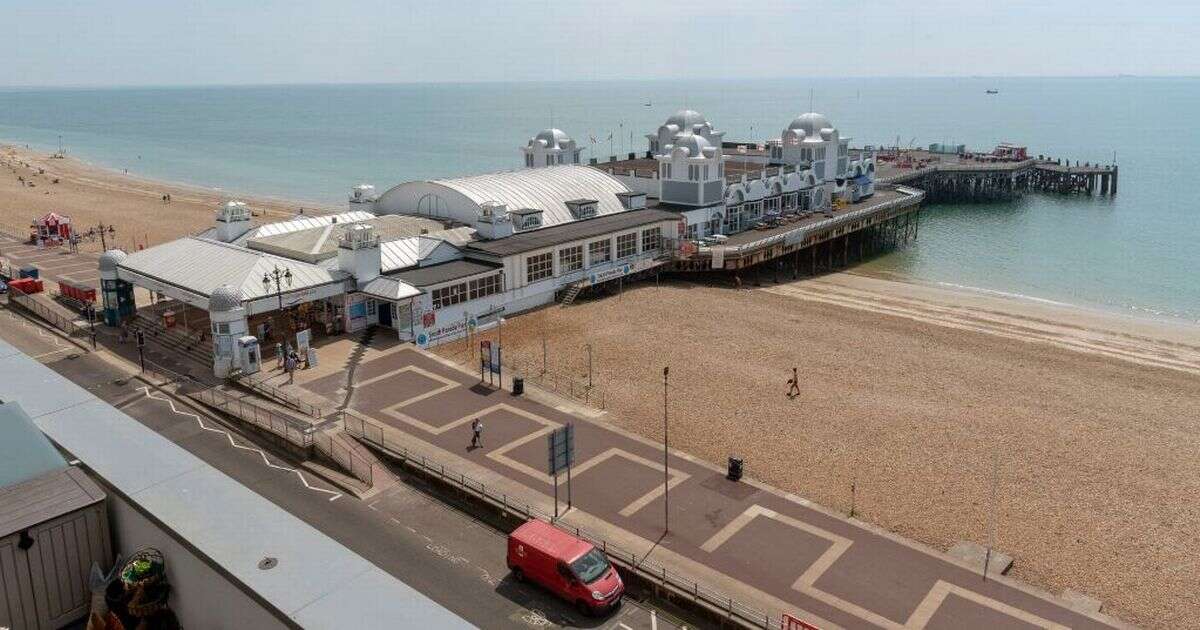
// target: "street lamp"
[[666, 470], [279, 277], [500, 350]]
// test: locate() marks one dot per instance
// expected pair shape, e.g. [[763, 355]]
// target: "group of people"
[[166, 198], [289, 360]]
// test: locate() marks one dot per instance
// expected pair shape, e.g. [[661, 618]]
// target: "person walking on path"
[[289, 366], [794, 384], [476, 433]]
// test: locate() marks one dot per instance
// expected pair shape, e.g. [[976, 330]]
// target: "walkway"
[[838, 572]]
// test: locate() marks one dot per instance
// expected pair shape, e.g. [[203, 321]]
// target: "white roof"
[[547, 189], [390, 289], [200, 265], [303, 222], [408, 252]]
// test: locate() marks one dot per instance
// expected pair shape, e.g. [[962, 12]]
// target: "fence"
[[345, 456], [57, 320], [649, 570], [533, 372], [260, 384], [295, 432]]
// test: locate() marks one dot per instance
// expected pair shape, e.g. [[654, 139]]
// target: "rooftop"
[[443, 272], [318, 243], [578, 230]]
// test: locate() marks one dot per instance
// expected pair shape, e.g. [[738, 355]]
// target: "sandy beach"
[[134, 205], [914, 395], [1078, 430]]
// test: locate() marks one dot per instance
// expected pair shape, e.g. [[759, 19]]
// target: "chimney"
[[493, 221], [362, 197], [359, 254]]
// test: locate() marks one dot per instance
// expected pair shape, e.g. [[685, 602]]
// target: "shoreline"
[[105, 177]]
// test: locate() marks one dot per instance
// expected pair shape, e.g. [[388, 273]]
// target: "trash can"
[[735, 469], [29, 271], [518, 386]]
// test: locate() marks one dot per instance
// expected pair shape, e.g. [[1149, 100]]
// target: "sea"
[[1137, 253]]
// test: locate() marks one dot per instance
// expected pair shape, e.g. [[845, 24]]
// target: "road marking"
[[146, 389]]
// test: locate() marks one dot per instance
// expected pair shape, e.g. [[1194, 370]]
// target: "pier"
[[972, 178]]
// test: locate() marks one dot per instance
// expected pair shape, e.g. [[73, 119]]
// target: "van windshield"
[[590, 566]]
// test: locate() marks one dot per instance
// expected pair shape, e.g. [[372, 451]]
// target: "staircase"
[[174, 340], [570, 294]]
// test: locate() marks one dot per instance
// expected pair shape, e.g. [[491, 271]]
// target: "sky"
[[225, 42]]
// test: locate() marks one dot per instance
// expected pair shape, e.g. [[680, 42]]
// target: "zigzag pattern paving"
[[824, 565]]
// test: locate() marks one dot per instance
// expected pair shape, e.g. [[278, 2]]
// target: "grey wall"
[[680, 192], [712, 191]]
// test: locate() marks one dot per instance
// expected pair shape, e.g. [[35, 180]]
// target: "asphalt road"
[[438, 550]]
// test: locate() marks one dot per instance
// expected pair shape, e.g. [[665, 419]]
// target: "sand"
[[914, 395], [91, 195]]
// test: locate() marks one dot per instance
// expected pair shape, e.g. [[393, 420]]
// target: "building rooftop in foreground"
[[316, 583]]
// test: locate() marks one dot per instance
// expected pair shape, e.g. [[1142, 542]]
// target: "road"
[[443, 553]]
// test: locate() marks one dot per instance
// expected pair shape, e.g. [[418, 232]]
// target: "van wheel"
[[583, 608], [518, 575]]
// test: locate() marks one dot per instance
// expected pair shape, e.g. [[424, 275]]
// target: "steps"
[[191, 347], [570, 294]]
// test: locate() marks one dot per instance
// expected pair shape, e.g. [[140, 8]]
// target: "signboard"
[[617, 271], [718, 257], [490, 355], [303, 339], [560, 448]]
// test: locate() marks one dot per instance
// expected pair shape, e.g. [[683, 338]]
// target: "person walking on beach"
[[794, 384], [476, 433]]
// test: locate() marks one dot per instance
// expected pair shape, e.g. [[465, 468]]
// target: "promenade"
[[764, 547]]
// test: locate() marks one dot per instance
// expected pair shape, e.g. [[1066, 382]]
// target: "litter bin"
[[29, 271], [518, 386], [735, 469]]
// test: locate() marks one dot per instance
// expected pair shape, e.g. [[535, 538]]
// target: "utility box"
[[249, 355], [53, 526]]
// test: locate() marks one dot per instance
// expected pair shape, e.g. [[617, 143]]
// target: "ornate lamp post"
[[278, 277]]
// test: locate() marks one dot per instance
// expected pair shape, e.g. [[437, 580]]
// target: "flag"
[[609, 136], [593, 138]]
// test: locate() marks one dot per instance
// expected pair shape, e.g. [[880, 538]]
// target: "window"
[[372, 307], [529, 159], [539, 266], [570, 259], [721, 170], [821, 153], [529, 221], [549, 159], [626, 245], [668, 170], [705, 172], [651, 239], [693, 172], [483, 287], [560, 160], [691, 233], [599, 251], [449, 296]]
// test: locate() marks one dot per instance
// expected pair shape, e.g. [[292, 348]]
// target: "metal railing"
[[47, 314], [647, 569], [295, 432], [534, 373], [350, 461], [258, 382]]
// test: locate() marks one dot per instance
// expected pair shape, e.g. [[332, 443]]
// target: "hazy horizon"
[[138, 43]]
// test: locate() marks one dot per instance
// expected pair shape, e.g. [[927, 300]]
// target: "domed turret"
[[111, 258], [811, 124], [696, 146], [224, 298], [550, 147], [684, 121], [551, 139]]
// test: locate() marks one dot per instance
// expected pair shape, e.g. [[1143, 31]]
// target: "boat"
[[993, 91], [648, 104]]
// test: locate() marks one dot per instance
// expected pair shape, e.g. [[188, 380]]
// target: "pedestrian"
[[794, 384], [278, 355], [289, 366], [476, 433]]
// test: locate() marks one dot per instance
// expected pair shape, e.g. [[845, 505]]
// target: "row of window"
[[696, 172], [469, 290], [550, 159], [541, 266]]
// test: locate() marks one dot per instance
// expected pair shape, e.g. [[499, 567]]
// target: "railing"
[[31, 304], [533, 372], [259, 383], [295, 432], [358, 466], [644, 567]]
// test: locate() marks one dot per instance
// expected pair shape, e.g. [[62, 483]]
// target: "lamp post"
[[588, 347], [500, 350], [278, 277], [666, 470]]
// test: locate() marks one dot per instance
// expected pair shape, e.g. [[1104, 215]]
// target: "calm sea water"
[[1136, 253]]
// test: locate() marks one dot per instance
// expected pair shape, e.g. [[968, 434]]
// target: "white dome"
[[551, 139], [224, 298], [111, 258], [811, 123], [694, 144], [685, 119]]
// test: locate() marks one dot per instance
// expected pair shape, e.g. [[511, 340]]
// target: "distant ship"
[[993, 91]]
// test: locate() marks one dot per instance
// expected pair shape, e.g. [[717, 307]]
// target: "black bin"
[[735, 469], [518, 386]]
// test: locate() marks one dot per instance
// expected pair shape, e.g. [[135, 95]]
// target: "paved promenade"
[[832, 570], [54, 263]]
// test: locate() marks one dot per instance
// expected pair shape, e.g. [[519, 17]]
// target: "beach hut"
[[51, 229]]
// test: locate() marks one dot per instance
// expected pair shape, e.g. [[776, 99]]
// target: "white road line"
[[146, 389]]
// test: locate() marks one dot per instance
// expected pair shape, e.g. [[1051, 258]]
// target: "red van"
[[571, 568]]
